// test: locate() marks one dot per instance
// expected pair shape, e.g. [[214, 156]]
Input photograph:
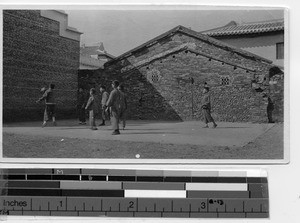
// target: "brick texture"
[[161, 89], [34, 55]]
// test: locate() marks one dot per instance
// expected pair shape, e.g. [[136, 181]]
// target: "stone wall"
[[34, 55], [169, 86], [276, 90]]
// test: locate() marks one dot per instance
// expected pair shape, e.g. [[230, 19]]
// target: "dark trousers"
[[49, 112], [81, 114], [270, 118], [207, 116], [115, 119], [123, 118], [103, 113], [92, 118]]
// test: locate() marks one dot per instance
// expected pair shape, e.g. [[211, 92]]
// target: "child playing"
[[91, 108]]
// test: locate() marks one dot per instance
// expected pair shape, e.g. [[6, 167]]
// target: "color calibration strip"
[[134, 193]]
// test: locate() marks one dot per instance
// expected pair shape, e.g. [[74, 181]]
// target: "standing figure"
[[114, 106], [123, 104], [49, 112], [104, 99], [270, 108], [206, 108], [81, 102], [91, 108]]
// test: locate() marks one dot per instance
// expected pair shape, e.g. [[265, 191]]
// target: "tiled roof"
[[95, 50], [184, 30], [91, 50], [233, 28], [89, 61]]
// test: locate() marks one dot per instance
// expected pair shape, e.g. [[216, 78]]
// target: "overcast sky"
[[122, 30]]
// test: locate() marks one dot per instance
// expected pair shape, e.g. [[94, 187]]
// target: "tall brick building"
[[164, 78], [38, 48]]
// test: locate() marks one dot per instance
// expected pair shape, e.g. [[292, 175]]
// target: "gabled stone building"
[[164, 78]]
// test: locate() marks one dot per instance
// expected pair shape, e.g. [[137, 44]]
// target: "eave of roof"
[[94, 50], [72, 29], [246, 28], [109, 55], [186, 31]]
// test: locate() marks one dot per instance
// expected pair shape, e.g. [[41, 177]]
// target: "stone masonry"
[[164, 79]]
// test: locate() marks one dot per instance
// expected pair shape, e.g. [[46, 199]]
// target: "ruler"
[[134, 193]]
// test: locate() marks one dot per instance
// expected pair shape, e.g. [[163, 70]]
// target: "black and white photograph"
[[145, 83]]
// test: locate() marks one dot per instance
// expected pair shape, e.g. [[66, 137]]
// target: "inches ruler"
[[134, 193]]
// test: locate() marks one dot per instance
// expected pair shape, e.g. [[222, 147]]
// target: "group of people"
[[82, 103], [113, 105]]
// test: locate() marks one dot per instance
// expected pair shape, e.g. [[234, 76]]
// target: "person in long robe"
[[270, 108], [206, 108], [104, 98], [49, 99], [81, 103], [123, 102], [91, 107], [114, 107]]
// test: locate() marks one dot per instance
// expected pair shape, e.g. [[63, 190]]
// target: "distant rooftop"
[[94, 55], [95, 49], [233, 28], [91, 62]]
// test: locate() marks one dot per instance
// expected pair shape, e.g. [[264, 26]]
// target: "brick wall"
[[162, 88], [34, 55]]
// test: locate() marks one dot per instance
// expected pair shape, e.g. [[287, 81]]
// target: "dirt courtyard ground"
[[151, 140]]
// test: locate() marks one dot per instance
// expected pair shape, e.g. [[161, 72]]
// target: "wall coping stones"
[[64, 30]]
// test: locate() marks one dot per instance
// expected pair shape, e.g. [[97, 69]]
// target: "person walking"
[[91, 108], [206, 108], [270, 108], [104, 98], [81, 103], [114, 107], [123, 103], [49, 98]]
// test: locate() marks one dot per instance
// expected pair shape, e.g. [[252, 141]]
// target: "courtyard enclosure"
[[165, 76], [163, 79]]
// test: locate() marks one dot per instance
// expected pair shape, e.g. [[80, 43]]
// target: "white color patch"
[[156, 193], [216, 186]]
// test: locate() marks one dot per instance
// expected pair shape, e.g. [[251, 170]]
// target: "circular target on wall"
[[153, 76]]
